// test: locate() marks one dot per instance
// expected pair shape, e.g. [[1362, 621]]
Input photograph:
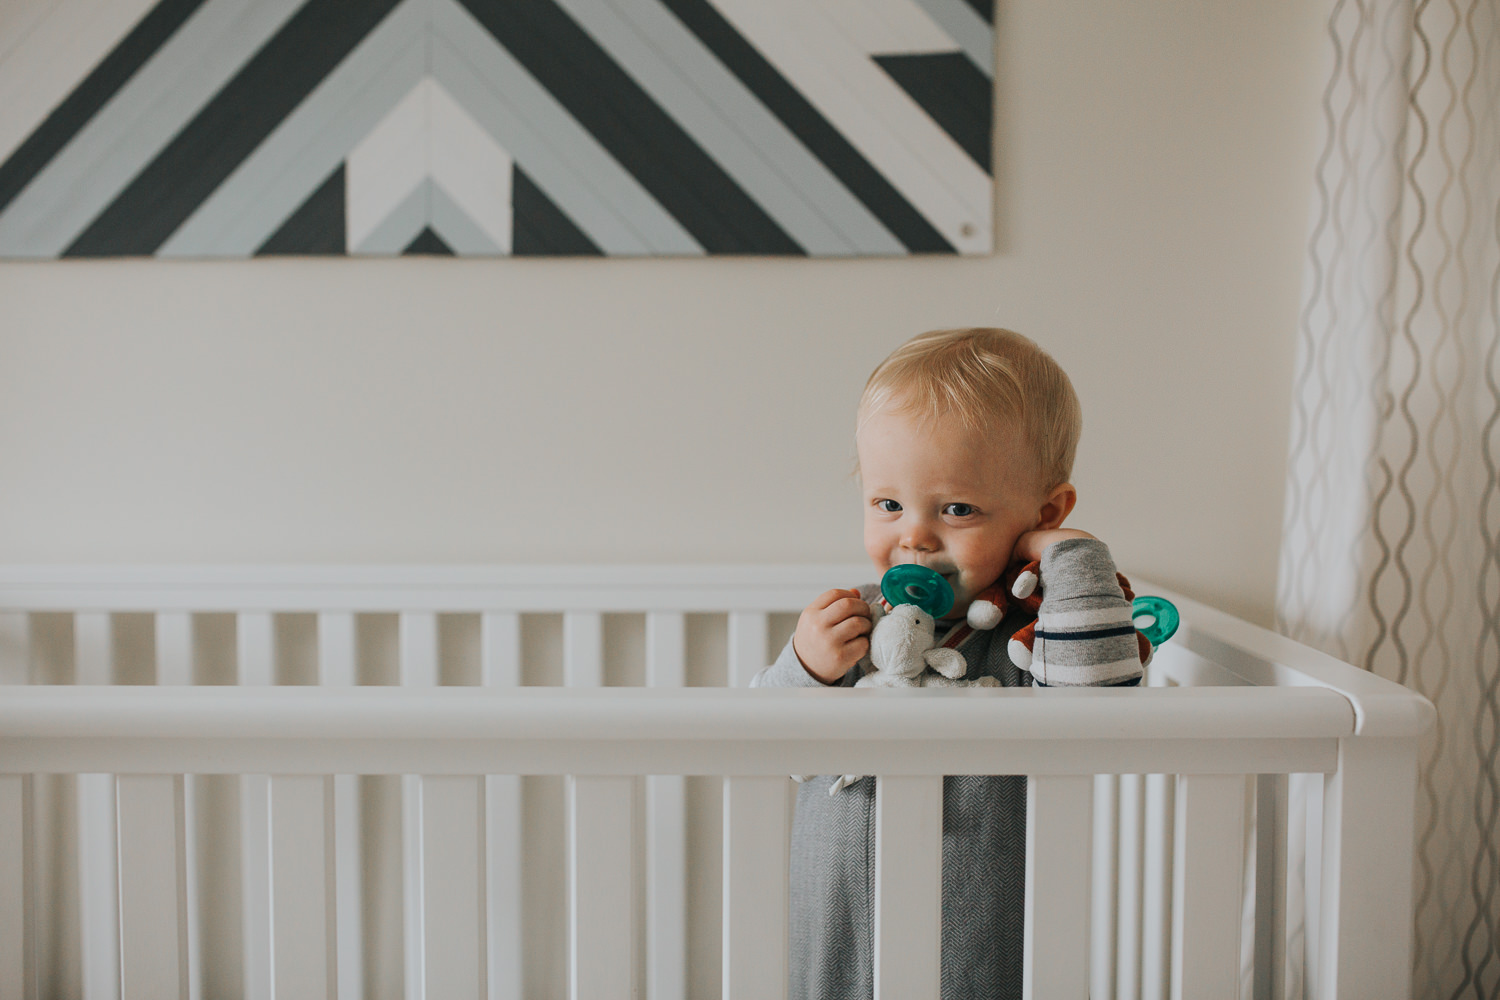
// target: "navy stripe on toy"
[[1103, 633]]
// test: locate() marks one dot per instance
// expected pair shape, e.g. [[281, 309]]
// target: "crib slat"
[[15, 647], [601, 910], [1104, 921], [174, 667], [419, 649], [302, 916], [1303, 883], [1316, 863], [1272, 900], [98, 874], [348, 929], [1059, 825], [18, 971], [153, 900], [1254, 887], [500, 666], [1130, 888], [666, 829], [756, 853], [418, 668], [453, 911], [336, 649], [256, 660], [503, 867], [98, 887], [908, 887], [174, 648], [255, 883], [666, 644], [1209, 841], [583, 649], [443, 874], [93, 648], [500, 649], [255, 641], [1156, 888], [747, 646], [337, 667]]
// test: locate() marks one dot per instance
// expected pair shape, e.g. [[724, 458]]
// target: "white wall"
[[1153, 176]]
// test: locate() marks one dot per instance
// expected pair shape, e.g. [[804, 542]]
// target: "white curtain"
[[1391, 549]]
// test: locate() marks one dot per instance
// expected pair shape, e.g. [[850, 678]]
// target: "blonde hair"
[[986, 377]]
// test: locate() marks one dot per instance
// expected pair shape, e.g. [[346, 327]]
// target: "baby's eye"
[[959, 509], [889, 506]]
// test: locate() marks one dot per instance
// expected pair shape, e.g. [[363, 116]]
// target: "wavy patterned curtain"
[[1391, 548]]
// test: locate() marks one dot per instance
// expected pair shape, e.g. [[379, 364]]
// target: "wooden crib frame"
[[1154, 815]]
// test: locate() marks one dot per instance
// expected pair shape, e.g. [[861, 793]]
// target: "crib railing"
[[1164, 837]]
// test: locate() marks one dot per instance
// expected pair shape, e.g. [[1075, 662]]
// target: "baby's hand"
[[1031, 545], [833, 634]]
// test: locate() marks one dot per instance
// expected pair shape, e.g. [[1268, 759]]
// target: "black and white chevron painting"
[[236, 128]]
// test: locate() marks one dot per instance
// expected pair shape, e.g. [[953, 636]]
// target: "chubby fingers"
[[846, 618], [836, 596], [832, 633], [835, 606]]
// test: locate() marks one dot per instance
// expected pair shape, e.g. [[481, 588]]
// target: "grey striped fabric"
[[1084, 631]]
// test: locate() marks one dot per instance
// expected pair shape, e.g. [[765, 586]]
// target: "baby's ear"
[[1060, 501]]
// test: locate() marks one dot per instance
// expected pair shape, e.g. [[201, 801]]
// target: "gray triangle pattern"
[[693, 61]]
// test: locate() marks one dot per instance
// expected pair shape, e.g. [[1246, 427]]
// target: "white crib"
[[1241, 828]]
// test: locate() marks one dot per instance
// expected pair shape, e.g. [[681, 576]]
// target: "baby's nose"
[[919, 537]]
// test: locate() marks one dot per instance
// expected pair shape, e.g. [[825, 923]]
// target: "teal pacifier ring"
[[913, 584], [1163, 615]]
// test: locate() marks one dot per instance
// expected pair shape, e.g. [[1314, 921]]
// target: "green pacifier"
[[913, 584], [1163, 615]]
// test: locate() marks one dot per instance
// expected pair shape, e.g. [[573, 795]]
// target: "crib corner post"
[[1369, 821]]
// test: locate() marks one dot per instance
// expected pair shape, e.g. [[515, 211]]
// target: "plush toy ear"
[[1026, 579], [1020, 645], [948, 662], [987, 608]]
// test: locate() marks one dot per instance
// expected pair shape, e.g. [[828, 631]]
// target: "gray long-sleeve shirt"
[[984, 830]]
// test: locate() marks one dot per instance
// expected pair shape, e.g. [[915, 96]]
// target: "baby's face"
[[945, 497]]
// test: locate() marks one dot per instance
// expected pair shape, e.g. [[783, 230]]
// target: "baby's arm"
[[832, 635], [1031, 545]]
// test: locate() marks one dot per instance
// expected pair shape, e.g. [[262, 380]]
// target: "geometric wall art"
[[236, 128]]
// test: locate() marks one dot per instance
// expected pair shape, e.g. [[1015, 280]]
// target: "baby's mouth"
[[946, 572]]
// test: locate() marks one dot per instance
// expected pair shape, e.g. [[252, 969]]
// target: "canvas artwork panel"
[[236, 128]]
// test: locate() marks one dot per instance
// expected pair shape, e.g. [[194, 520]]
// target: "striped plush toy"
[[1022, 583]]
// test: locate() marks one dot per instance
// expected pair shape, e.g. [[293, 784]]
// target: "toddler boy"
[[966, 441]]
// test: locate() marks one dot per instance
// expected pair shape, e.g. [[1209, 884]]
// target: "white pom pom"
[[1019, 654], [1025, 584], [984, 615]]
